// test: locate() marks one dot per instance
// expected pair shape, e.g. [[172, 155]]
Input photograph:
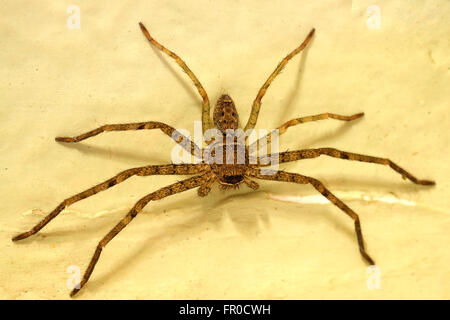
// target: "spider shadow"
[[331, 136], [384, 185], [325, 137], [196, 222], [387, 186], [296, 88], [106, 152], [209, 215], [311, 210], [244, 218], [203, 219]]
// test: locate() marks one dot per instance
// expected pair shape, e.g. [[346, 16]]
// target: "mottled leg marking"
[[251, 184], [168, 130], [257, 102], [283, 128], [314, 153], [169, 169], [159, 194], [297, 178], [206, 106], [205, 188]]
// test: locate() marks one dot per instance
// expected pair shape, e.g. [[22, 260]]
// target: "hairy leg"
[[205, 188], [159, 194], [283, 128], [257, 102], [168, 130], [314, 153], [206, 106], [297, 178], [141, 171]]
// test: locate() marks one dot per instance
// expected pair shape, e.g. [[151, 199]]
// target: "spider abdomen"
[[225, 114], [229, 175]]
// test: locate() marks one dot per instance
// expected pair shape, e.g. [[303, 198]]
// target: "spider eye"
[[233, 114], [223, 113]]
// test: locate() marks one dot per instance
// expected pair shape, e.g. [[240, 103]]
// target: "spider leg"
[[205, 188], [257, 102], [206, 106], [159, 194], [141, 171], [283, 128], [297, 178], [251, 184], [168, 130], [314, 153]]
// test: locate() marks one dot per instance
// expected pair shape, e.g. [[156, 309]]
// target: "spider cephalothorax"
[[229, 169]]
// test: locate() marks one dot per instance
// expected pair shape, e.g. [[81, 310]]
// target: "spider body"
[[227, 156], [225, 160]]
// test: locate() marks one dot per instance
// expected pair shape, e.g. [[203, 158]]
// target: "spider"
[[207, 172]]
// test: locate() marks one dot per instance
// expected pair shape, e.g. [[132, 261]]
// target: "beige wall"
[[239, 244]]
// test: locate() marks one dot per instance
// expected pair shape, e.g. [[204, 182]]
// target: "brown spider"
[[228, 175]]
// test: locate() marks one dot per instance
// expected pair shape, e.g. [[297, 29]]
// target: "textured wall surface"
[[385, 58]]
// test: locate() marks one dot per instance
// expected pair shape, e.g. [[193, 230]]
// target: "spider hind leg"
[[283, 176]]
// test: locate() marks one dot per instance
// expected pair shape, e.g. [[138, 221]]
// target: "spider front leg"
[[297, 178], [141, 171], [206, 124], [253, 118], [289, 156], [168, 130], [159, 194]]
